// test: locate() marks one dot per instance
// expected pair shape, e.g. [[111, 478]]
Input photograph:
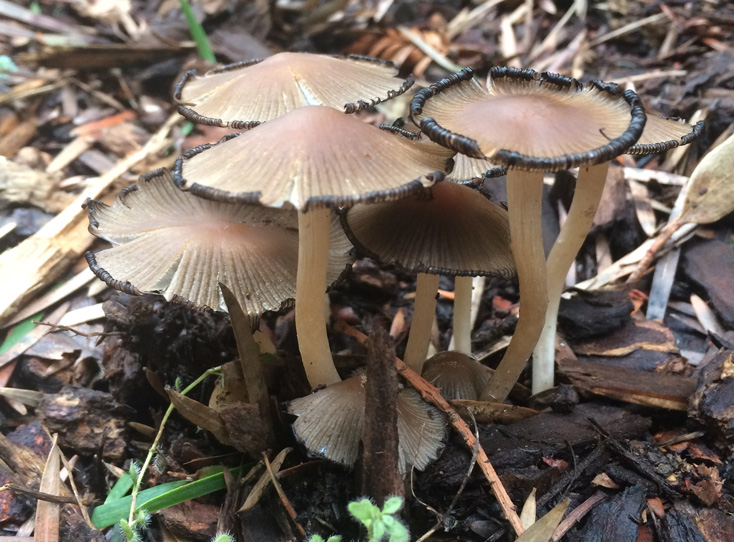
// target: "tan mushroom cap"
[[530, 120], [664, 133], [468, 170], [312, 156], [259, 91], [330, 423], [171, 242], [457, 375], [449, 230]]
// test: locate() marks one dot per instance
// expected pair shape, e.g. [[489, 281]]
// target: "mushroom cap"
[[243, 94], [529, 120], [457, 375], [665, 133], [312, 156], [330, 424], [450, 229], [473, 171], [171, 242]]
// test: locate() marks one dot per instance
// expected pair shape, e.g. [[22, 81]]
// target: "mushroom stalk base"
[[524, 200], [586, 198], [424, 312], [462, 314], [313, 256]]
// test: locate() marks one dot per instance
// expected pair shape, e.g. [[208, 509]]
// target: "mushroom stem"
[[424, 312], [524, 200], [313, 256], [586, 198], [462, 314]]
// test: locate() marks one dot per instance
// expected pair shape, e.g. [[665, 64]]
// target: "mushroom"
[[331, 420], [660, 134], [311, 159], [450, 229], [244, 94], [457, 375], [539, 122], [471, 171], [176, 244]]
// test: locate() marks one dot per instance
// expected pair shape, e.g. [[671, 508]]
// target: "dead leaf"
[[543, 529], [528, 514], [710, 194], [257, 491], [48, 513], [200, 415]]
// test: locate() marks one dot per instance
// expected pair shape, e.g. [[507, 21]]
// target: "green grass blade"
[[192, 490], [112, 512], [197, 32], [19, 331], [158, 497], [120, 489]]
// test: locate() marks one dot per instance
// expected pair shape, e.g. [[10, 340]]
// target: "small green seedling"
[[379, 523]]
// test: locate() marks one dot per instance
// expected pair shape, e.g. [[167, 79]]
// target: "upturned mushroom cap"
[[171, 242], [313, 156], [528, 120], [330, 423], [457, 375], [243, 94], [665, 133], [450, 229]]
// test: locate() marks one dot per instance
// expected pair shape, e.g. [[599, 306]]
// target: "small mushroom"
[[450, 229], [176, 244], [331, 420], [457, 375], [312, 159], [531, 122], [244, 94]]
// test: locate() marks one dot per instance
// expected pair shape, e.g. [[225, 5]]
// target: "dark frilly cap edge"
[[470, 147], [656, 148]]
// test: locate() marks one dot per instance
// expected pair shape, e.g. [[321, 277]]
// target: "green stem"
[[156, 441]]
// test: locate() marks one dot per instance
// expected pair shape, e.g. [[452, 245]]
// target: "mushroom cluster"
[[534, 123], [273, 213], [255, 212]]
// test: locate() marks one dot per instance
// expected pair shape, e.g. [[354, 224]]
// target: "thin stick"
[[154, 446], [433, 395], [283, 498]]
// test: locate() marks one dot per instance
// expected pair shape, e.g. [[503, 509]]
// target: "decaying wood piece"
[[45, 256], [630, 385], [380, 475]]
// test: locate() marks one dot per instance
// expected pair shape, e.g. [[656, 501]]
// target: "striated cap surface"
[[246, 93], [312, 156], [171, 242]]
